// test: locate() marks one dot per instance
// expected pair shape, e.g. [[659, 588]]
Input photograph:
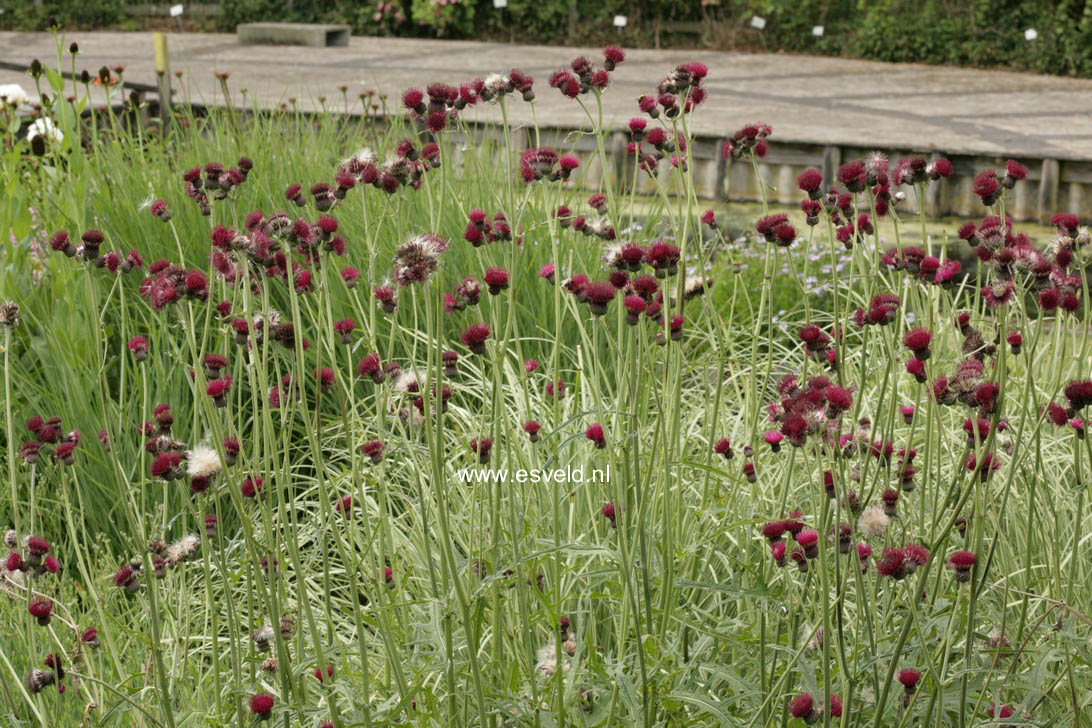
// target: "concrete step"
[[315, 35]]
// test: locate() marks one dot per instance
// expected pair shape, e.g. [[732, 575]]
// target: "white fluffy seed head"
[[202, 462], [873, 522], [547, 660], [183, 549]]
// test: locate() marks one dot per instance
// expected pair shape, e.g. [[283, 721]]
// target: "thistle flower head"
[[802, 707], [961, 562], [594, 433], [475, 336], [909, 678], [38, 679], [417, 259], [261, 705]]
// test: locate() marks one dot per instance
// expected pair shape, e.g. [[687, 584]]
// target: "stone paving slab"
[[820, 100]]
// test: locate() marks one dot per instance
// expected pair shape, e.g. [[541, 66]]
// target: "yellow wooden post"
[[163, 74]]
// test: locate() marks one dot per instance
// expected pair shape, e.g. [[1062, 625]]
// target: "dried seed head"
[[9, 314]]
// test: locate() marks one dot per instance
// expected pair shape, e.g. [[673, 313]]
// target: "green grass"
[[678, 614]]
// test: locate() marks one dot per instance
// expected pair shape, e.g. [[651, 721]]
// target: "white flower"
[[873, 522], [613, 255], [365, 157], [45, 128], [696, 285], [13, 95], [409, 381], [496, 84], [547, 660], [262, 637], [202, 462], [183, 549]]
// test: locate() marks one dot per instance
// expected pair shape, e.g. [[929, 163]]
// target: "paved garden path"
[[825, 101]]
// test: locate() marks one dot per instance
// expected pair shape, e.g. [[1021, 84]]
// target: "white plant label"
[[500, 4], [176, 10], [817, 30], [620, 21], [757, 21], [1031, 34]]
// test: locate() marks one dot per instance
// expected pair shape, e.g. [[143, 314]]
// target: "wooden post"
[[163, 75]]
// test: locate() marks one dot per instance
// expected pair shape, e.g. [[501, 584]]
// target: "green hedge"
[[965, 32]]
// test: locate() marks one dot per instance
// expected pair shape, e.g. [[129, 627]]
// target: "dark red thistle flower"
[[890, 498], [918, 340], [774, 530], [612, 56], [1066, 222], [531, 427], [749, 471], [811, 182], [1049, 299], [1078, 393], [961, 562], [892, 563], [126, 578], [14, 562], [481, 446], [449, 359], [294, 194], [218, 389], [808, 539], [675, 327], [30, 451], [37, 547], [777, 551], [41, 609], [90, 637], [1057, 414], [166, 465], [475, 336], [998, 293], [261, 705], [251, 487], [344, 328], [773, 438], [909, 679], [599, 295], [916, 555], [839, 400], [986, 186], [373, 449], [387, 298], [853, 176], [138, 345], [916, 368], [608, 512], [595, 434], [325, 378], [802, 707], [663, 257], [329, 668], [496, 279], [64, 453], [350, 276], [436, 122], [1014, 172], [723, 447]]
